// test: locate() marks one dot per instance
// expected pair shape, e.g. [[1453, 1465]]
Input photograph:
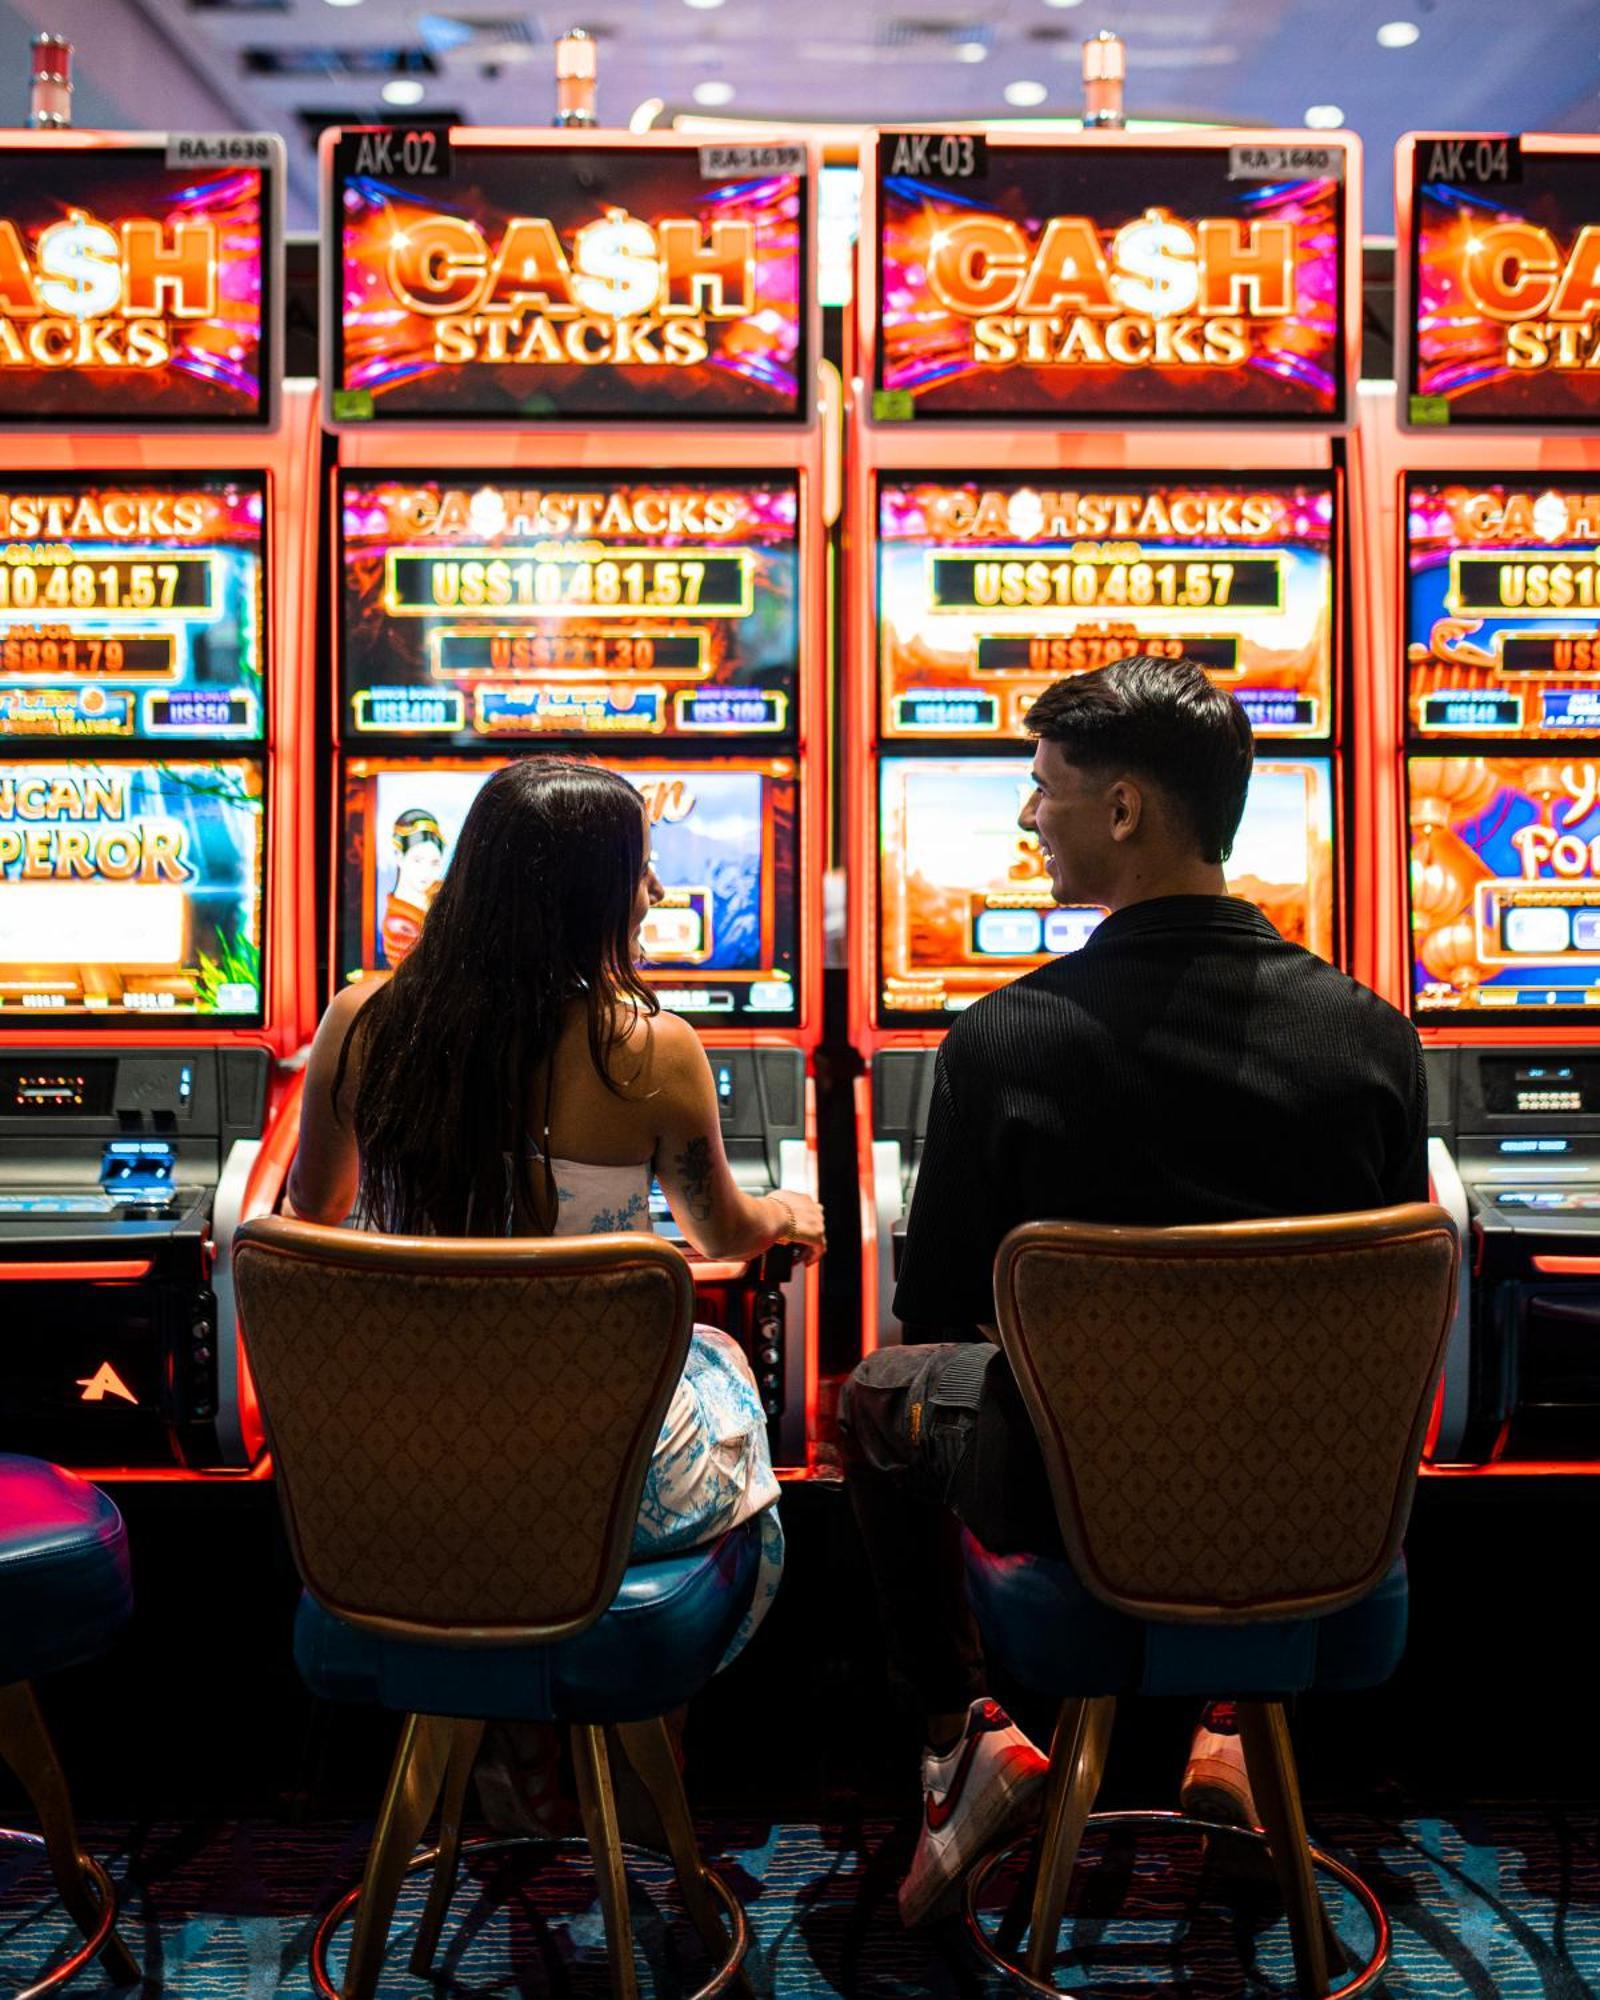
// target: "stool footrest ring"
[[105, 1889], [722, 1976], [1359, 1982]]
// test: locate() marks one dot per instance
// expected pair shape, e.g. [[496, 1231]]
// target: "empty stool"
[[1231, 1419], [461, 1432], [65, 1591]]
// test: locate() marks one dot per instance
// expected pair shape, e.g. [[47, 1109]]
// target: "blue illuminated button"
[[949, 714], [732, 711], [1538, 933], [1066, 930], [1472, 711], [1008, 933], [1586, 930], [1273, 709]]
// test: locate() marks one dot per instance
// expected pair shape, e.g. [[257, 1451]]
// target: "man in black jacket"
[[1186, 1065]]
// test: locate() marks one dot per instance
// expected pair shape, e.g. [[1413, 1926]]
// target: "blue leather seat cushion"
[[1056, 1637], [656, 1646], [65, 1582]]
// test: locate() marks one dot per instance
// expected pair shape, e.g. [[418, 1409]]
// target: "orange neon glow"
[[77, 1270]]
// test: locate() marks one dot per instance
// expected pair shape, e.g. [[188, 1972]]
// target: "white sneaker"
[[1216, 1783], [971, 1796]]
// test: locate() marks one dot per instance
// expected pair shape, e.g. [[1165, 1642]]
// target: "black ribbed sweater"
[[1186, 1065]]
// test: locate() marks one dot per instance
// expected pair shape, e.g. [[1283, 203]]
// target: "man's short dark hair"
[[1162, 720]]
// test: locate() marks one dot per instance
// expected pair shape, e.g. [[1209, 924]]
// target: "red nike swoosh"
[[939, 1811]]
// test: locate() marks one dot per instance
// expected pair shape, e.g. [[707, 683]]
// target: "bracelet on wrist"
[[791, 1227]]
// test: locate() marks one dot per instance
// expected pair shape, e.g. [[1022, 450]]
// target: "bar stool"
[[65, 1591], [1231, 1419], [461, 1432]]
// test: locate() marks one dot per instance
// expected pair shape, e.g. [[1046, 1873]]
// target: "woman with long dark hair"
[[516, 1077]]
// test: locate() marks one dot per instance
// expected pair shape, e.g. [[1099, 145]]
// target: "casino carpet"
[[1499, 1904]]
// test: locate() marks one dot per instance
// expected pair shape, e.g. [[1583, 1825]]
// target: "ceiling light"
[[1398, 34], [704, 6], [357, 3], [1063, 3], [712, 93], [403, 90], [1025, 93], [1324, 117], [970, 52]]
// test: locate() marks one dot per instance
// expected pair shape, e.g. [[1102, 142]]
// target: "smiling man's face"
[[1074, 814]]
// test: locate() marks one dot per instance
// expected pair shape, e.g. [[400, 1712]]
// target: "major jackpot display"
[[1505, 884], [476, 609], [1505, 306], [991, 588], [1503, 606], [131, 890], [568, 282], [723, 842], [132, 607], [132, 293], [1074, 282], [965, 902]]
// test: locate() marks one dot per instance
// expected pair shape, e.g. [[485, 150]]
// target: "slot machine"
[[1486, 524], [578, 509], [155, 947], [1104, 381]]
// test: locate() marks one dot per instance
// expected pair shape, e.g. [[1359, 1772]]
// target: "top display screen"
[[1090, 283], [133, 294], [1504, 286], [567, 283]]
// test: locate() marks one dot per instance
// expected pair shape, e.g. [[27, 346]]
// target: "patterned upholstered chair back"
[[1231, 1416], [461, 1430]]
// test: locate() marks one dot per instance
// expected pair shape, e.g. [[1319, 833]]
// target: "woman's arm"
[[327, 1170], [692, 1164]]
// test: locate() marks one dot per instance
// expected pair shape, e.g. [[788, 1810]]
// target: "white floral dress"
[[711, 1468]]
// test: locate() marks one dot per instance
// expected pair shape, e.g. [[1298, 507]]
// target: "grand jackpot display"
[[132, 606], [137, 290], [532, 277], [1109, 280], [1499, 309], [480, 608], [1502, 605], [990, 588]]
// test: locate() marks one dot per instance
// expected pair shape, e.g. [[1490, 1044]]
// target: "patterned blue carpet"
[[1499, 1904]]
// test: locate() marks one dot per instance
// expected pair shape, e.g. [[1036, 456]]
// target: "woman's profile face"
[[645, 896]]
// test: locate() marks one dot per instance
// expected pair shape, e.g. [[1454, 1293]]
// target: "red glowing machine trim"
[[1146, 346], [1484, 524], [156, 930], [579, 508]]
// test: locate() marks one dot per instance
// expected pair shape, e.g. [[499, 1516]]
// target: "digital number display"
[[1502, 615], [723, 943], [990, 588], [133, 608], [478, 610], [132, 891], [964, 898]]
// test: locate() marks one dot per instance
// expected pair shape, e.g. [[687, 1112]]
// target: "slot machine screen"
[[1502, 606], [1072, 282], [723, 946], [568, 283], [477, 610], [1505, 886], [991, 588], [1504, 293], [132, 607], [964, 901], [132, 892], [136, 293]]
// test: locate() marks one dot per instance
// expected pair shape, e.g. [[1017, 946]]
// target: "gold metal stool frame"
[[1360, 1982], [95, 1942], [723, 1975]]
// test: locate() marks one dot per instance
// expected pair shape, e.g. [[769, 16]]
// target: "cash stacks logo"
[[1539, 292], [622, 291], [1161, 291], [82, 294], [974, 514]]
